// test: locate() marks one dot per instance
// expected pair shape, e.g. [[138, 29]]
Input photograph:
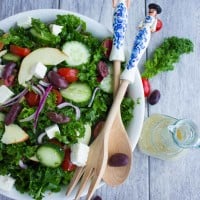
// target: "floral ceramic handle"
[[141, 42], [120, 22]]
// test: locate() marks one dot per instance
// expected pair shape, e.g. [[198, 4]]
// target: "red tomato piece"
[[20, 51], [67, 165], [107, 44], [146, 86], [1, 46], [159, 25], [59, 98], [32, 98], [69, 74]]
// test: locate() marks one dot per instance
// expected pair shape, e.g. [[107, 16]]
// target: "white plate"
[[135, 90]]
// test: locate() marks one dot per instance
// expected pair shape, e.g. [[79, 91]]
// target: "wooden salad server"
[[118, 139]]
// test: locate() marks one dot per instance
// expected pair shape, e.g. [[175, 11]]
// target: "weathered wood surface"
[[150, 179]]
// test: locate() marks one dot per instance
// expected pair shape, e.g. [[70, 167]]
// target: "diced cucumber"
[[87, 135], [11, 57], [50, 155], [107, 84], [78, 92], [77, 53]]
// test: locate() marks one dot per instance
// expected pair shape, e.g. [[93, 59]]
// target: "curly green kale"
[[166, 55]]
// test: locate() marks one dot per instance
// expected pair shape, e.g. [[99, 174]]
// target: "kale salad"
[[55, 89]]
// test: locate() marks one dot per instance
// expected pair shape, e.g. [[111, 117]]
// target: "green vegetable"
[[41, 33], [166, 55], [78, 92], [50, 155], [127, 107], [77, 53], [11, 57]]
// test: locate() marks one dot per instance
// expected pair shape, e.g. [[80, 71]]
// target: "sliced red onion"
[[41, 88], [40, 137], [37, 90], [22, 165], [41, 105], [77, 109], [93, 96], [8, 104], [20, 95], [29, 118], [43, 83]]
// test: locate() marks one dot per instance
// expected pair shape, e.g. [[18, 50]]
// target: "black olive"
[[154, 97]]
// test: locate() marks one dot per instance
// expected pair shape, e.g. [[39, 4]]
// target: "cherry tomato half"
[[32, 98], [1, 46], [67, 165], [146, 86], [107, 44], [20, 51], [58, 96], [70, 74], [159, 25]]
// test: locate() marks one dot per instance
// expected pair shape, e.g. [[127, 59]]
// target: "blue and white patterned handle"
[[140, 45], [120, 22]]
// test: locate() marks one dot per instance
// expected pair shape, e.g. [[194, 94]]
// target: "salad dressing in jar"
[[167, 138]]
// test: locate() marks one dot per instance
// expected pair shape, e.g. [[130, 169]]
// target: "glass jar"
[[166, 137]]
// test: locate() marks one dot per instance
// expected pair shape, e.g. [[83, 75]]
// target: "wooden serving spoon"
[[118, 137], [118, 142]]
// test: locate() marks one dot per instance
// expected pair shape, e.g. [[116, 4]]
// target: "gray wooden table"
[[150, 178]]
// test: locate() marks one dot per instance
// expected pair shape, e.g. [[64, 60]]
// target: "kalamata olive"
[[102, 69], [154, 97], [8, 69], [97, 198], [118, 160], [58, 118], [107, 44], [56, 80], [98, 127], [12, 114]]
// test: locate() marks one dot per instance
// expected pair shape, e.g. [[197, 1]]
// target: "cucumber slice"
[[11, 57], [87, 135], [77, 53], [79, 93], [107, 84], [50, 155]]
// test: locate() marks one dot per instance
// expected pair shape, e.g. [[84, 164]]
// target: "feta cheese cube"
[[1, 69], [79, 154], [39, 70], [25, 22], [55, 29], [51, 131], [5, 94], [6, 182]]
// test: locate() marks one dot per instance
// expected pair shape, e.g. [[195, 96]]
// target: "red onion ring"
[[93, 96], [77, 109], [40, 137]]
